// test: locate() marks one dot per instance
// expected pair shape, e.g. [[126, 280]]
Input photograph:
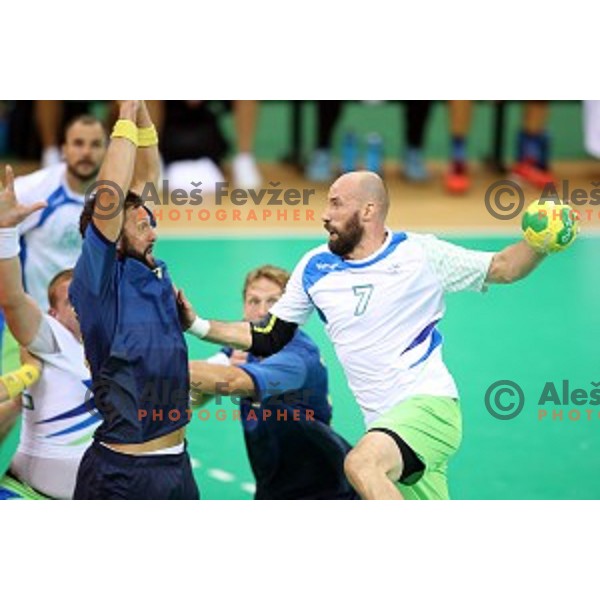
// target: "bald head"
[[363, 186], [357, 206]]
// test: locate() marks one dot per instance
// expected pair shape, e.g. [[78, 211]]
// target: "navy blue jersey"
[[293, 451], [133, 343]]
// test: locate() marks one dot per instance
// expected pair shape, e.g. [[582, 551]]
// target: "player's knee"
[[352, 465], [376, 454], [359, 463]]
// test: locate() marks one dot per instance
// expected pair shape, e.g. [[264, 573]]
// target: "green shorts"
[[12, 489], [432, 427]]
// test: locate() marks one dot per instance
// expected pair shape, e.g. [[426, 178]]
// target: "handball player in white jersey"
[[58, 417], [50, 240], [380, 295], [50, 237]]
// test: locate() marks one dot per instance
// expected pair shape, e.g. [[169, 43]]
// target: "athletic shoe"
[[457, 179], [319, 167], [414, 166], [245, 171], [51, 156], [532, 174]]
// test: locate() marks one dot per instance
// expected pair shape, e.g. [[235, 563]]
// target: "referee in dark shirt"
[[132, 333]]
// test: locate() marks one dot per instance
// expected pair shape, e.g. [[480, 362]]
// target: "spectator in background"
[[320, 166], [532, 159], [245, 170], [457, 179], [189, 129], [591, 126], [51, 116], [193, 146], [533, 145]]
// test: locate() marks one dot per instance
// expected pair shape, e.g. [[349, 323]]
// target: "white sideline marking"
[[220, 475], [248, 487]]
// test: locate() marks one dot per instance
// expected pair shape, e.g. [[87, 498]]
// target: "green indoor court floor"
[[542, 329]]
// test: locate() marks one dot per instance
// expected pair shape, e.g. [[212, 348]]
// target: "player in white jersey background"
[[58, 416], [50, 240], [381, 295]]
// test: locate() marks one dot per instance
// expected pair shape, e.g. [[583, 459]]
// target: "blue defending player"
[[131, 330], [285, 413]]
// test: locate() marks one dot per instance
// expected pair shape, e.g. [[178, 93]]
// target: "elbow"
[[270, 336]]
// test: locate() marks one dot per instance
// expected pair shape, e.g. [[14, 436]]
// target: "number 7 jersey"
[[382, 313]]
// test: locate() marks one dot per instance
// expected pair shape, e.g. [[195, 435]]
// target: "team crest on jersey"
[[323, 266], [320, 266]]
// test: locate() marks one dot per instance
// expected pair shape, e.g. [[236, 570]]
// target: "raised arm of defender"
[[116, 173], [147, 160]]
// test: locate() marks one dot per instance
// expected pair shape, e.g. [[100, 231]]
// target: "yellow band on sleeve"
[[147, 137], [124, 128], [20, 379]]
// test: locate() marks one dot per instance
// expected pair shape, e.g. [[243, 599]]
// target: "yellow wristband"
[[20, 379], [124, 128], [147, 136]]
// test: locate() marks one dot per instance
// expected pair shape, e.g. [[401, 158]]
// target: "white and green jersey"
[[59, 414], [50, 238], [382, 312]]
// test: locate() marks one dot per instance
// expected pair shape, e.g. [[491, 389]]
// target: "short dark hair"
[[84, 120], [61, 276], [131, 201]]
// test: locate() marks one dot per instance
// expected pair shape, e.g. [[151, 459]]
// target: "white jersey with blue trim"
[[382, 312], [50, 238], [59, 416]]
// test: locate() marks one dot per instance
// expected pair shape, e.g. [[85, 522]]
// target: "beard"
[[347, 239], [145, 257], [84, 170]]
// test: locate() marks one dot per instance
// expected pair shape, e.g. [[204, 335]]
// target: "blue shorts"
[[107, 475]]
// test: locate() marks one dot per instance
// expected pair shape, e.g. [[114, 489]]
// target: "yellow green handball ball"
[[549, 226]]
